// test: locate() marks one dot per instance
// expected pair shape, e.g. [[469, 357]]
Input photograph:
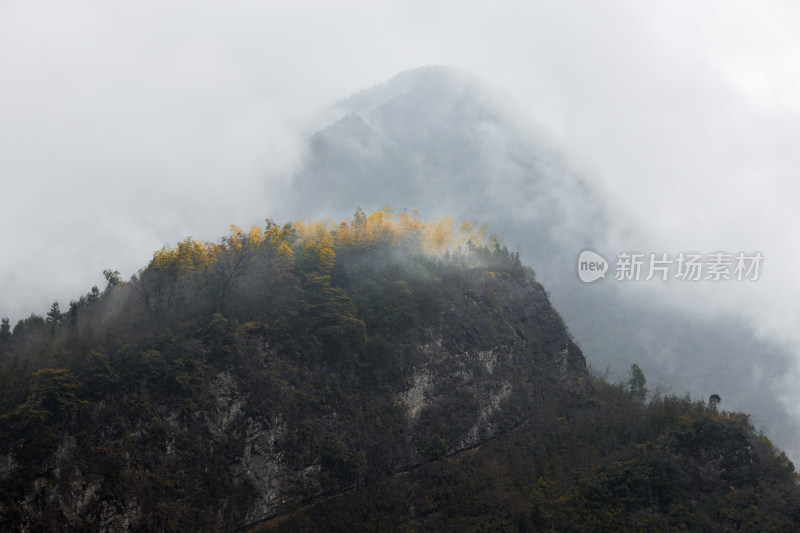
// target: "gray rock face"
[[500, 336], [496, 351]]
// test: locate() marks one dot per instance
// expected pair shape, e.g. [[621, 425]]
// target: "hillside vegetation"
[[378, 374]]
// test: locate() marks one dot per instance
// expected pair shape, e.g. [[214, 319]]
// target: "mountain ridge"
[[458, 152], [260, 355], [379, 372]]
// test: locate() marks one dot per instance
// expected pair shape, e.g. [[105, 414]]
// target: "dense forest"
[[262, 382]]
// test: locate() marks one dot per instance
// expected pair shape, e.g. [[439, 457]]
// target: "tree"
[[73, 313], [284, 260], [5, 334], [637, 382], [97, 374], [54, 315], [233, 257], [30, 328], [359, 220], [94, 294], [54, 390], [713, 401], [5, 329], [440, 235], [436, 448], [30, 428], [361, 230], [112, 278]]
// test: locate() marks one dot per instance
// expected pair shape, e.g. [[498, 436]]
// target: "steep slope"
[[438, 140], [671, 465], [230, 382]]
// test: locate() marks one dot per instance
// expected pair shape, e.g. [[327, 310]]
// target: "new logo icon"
[[591, 266]]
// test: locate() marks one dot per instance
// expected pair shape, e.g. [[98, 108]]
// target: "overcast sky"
[[125, 126]]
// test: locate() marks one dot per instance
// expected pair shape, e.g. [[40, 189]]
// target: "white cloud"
[[129, 126]]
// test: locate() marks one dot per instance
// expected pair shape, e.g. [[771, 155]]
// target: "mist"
[[128, 127]]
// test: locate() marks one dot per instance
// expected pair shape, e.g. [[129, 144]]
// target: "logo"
[[684, 266], [591, 266]]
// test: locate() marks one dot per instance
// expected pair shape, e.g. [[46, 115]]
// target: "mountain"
[[440, 140], [379, 373], [435, 139], [230, 381]]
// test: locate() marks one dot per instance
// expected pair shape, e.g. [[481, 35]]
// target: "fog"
[[125, 127]]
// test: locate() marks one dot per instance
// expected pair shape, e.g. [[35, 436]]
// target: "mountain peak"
[[433, 129], [429, 81]]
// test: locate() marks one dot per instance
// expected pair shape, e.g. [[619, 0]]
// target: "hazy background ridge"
[[127, 127]]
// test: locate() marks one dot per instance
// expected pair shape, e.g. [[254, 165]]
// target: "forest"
[[136, 407]]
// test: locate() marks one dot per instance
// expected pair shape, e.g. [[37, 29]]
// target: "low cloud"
[[127, 127]]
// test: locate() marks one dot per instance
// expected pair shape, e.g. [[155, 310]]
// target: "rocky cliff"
[[197, 396], [496, 350], [378, 374]]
